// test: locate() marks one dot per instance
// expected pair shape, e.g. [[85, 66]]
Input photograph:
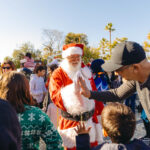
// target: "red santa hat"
[[71, 49]]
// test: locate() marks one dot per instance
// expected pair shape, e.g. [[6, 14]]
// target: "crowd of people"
[[73, 106]]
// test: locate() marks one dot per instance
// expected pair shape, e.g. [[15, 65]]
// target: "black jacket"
[[10, 131], [83, 143]]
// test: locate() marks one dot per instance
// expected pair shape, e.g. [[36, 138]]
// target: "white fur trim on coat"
[[74, 102], [72, 50], [99, 118], [99, 134], [86, 72], [69, 135]]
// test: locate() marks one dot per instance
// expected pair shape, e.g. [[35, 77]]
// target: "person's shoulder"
[[33, 114], [35, 110], [139, 144], [32, 108], [110, 146], [59, 69], [57, 72], [4, 102], [130, 83], [33, 77], [5, 105]]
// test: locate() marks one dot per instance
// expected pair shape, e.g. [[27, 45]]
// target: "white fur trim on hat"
[[72, 50], [55, 61]]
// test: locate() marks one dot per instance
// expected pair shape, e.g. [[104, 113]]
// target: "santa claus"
[[65, 93]]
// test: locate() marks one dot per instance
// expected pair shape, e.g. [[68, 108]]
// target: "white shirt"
[[37, 87]]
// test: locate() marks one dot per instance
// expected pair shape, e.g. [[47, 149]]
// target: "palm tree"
[[110, 29]]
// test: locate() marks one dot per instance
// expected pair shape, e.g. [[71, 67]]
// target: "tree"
[[104, 45], [7, 58], [110, 29], [19, 53], [146, 46], [104, 49], [53, 41], [76, 38], [89, 54]]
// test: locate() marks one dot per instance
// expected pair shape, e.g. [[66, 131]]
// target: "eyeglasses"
[[6, 68]]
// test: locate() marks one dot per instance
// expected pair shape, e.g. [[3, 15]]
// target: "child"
[[29, 62], [37, 85], [118, 122]]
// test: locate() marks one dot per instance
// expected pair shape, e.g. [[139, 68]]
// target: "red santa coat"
[[62, 92]]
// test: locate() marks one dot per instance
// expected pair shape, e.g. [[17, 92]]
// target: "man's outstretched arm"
[[118, 94]]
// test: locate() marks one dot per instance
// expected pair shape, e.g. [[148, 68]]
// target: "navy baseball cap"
[[125, 53]]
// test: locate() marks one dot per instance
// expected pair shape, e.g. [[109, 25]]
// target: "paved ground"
[[140, 130]]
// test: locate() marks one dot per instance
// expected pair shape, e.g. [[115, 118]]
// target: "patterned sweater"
[[35, 124]]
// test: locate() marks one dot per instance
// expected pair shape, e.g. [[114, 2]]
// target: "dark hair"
[[14, 87], [29, 55], [12, 65], [39, 68], [53, 67], [119, 122]]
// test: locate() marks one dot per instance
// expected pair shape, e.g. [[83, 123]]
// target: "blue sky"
[[24, 20]]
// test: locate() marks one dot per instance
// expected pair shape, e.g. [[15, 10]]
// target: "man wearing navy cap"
[[129, 61]]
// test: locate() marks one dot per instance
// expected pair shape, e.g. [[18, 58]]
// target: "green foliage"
[[19, 53], [76, 38], [90, 54], [146, 44], [109, 27], [7, 58], [54, 39], [104, 47]]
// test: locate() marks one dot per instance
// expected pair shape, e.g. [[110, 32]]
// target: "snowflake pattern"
[[26, 133], [49, 132], [35, 125], [33, 132], [38, 132], [20, 117], [31, 117], [42, 118]]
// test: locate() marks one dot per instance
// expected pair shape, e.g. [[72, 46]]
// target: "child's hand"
[[81, 129]]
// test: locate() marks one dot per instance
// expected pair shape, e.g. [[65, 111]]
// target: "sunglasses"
[[6, 68]]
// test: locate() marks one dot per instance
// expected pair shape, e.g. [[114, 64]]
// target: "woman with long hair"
[[8, 66], [34, 122]]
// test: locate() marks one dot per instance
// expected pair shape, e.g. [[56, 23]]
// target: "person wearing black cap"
[[128, 60]]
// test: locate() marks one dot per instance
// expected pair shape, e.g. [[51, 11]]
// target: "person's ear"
[[136, 68], [104, 133]]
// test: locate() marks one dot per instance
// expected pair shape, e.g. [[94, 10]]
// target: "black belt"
[[84, 116]]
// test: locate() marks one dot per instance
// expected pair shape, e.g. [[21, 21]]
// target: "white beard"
[[69, 68]]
